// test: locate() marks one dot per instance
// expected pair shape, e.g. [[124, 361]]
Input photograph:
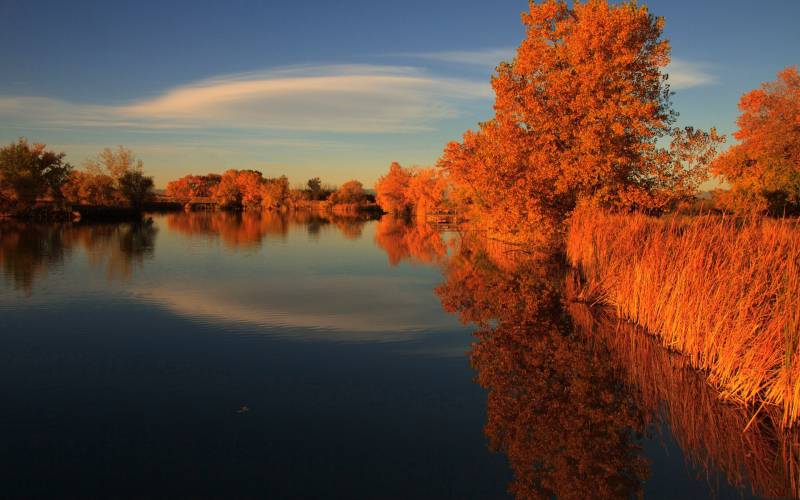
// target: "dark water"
[[295, 356]]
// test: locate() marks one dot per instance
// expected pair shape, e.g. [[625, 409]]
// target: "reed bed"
[[724, 292]]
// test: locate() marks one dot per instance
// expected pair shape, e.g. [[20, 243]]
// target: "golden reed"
[[724, 292]]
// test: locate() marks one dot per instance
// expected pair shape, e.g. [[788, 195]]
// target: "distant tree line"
[[250, 190], [29, 174]]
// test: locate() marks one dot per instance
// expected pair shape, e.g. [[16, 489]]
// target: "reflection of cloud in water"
[[347, 309]]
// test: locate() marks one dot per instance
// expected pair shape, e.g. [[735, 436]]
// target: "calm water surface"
[[221, 355]]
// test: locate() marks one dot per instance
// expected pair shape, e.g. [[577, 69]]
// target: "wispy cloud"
[[355, 98], [685, 74], [482, 57], [682, 73]]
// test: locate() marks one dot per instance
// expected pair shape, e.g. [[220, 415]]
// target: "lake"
[[241, 355]]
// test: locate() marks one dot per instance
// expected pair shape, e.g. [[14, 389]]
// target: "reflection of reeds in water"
[[724, 292], [710, 431]]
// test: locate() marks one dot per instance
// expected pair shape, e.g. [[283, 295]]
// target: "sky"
[[337, 90]]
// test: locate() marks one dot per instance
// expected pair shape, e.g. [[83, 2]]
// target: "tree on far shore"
[[350, 193], [29, 172], [113, 177]]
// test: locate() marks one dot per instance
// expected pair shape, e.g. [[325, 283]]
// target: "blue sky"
[[318, 88]]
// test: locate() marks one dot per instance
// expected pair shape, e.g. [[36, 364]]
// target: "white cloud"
[[482, 57], [331, 308], [356, 98], [685, 74], [682, 73]]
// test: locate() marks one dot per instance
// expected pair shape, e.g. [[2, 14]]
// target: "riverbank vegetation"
[[583, 154], [573, 390], [115, 178], [250, 190], [582, 113], [29, 172], [723, 291], [37, 183]]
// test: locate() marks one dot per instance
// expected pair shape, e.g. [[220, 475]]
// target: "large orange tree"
[[763, 169], [579, 115]]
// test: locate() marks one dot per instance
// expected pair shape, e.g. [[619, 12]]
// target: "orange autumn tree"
[[275, 192], [240, 189], [350, 193], [578, 116], [764, 168], [193, 186], [426, 191], [403, 191], [390, 190]]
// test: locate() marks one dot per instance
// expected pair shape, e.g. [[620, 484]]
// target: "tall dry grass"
[[724, 292]]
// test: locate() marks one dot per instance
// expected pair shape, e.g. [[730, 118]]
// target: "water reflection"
[[556, 407], [249, 229], [709, 431], [28, 250], [575, 398], [574, 392], [412, 241]]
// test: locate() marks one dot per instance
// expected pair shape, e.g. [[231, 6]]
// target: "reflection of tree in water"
[[119, 247], [249, 229], [350, 227], [409, 240], [571, 389], [28, 250], [555, 407], [235, 229]]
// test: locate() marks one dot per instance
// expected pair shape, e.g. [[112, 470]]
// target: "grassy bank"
[[724, 292]]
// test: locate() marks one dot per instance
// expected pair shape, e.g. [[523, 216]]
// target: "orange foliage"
[[426, 191], [764, 168], [571, 389], [390, 190], [193, 186], [726, 293], [419, 190], [235, 189], [115, 177], [275, 193], [578, 114], [350, 193], [91, 189]]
